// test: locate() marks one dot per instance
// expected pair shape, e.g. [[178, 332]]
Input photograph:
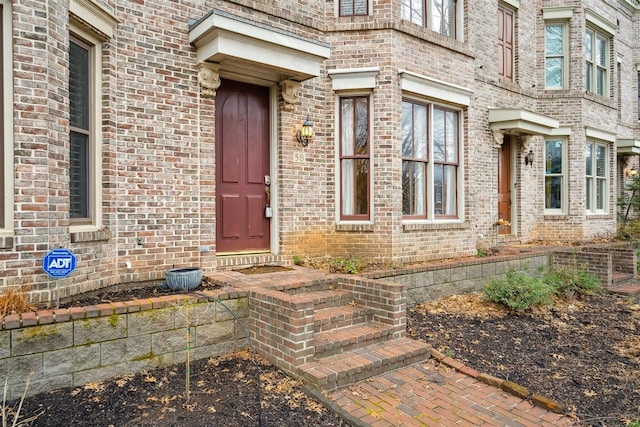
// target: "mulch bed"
[[585, 354], [223, 392]]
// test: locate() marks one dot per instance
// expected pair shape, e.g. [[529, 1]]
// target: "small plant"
[[298, 260], [13, 300], [351, 265], [633, 423], [518, 291], [481, 253], [568, 282]]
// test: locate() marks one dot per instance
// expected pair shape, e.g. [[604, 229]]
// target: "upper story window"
[[555, 56], [596, 56], [638, 95], [353, 7], [555, 181], [430, 161], [506, 41], [6, 119], [354, 158], [441, 16]]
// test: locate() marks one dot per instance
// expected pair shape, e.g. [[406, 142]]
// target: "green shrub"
[[351, 265], [635, 423], [568, 282], [298, 260], [519, 291]]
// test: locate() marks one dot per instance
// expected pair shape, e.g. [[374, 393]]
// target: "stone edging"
[[508, 386], [49, 316]]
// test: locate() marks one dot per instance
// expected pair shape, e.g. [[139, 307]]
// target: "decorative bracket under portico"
[[498, 138], [525, 140], [289, 90], [209, 78]]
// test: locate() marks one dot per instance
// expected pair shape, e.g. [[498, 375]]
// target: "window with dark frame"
[[505, 41], [445, 162], [415, 157], [354, 158], [353, 7], [80, 103], [430, 161]]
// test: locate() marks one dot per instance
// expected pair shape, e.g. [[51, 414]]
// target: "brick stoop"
[[631, 289], [337, 333], [339, 370]]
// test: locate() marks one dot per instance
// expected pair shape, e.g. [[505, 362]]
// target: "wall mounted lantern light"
[[305, 134], [528, 159]]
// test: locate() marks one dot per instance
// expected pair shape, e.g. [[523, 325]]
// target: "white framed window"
[[441, 16], [597, 177], [556, 69], [596, 65], [85, 134], [431, 164], [6, 119], [555, 176]]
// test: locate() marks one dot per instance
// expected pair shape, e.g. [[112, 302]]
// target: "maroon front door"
[[242, 163], [504, 184]]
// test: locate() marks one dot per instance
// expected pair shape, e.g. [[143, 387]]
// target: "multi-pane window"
[[414, 159], [353, 7], [80, 102], [597, 183], [438, 15], [354, 158], [445, 159], [554, 178], [430, 161], [505, 42], [2, 96], [554, 57], [596, 55]]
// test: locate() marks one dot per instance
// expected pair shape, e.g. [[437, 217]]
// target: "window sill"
[[6, 242], [367, 228], [86, 234], [427, 226], [551, 216], [599, 216]]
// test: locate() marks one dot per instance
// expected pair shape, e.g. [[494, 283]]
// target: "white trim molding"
[[557, 12], [435, 89], [601, 134], [600, 22], [353, 78], [93, 15], [247, 48], [625, 147], [513, 3]]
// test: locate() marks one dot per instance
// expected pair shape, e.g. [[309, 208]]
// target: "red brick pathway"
[[430, 394]]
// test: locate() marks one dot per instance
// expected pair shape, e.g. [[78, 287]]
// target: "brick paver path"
[[431, 395]]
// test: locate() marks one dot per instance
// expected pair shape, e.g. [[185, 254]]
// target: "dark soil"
[[585, 354], [224, 392]]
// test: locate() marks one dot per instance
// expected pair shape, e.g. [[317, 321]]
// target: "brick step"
[[329, 318], [329, 298], [348, 338], [630, 289], [618, 279], [347, 368]]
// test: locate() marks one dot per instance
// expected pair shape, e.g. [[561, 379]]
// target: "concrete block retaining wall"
[[70, 347], [431, 282]]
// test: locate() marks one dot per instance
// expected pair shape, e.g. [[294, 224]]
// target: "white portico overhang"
[[517, 121], [626, 147], [245, 48]]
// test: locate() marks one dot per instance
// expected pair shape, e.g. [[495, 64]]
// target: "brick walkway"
[[431, 394]]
